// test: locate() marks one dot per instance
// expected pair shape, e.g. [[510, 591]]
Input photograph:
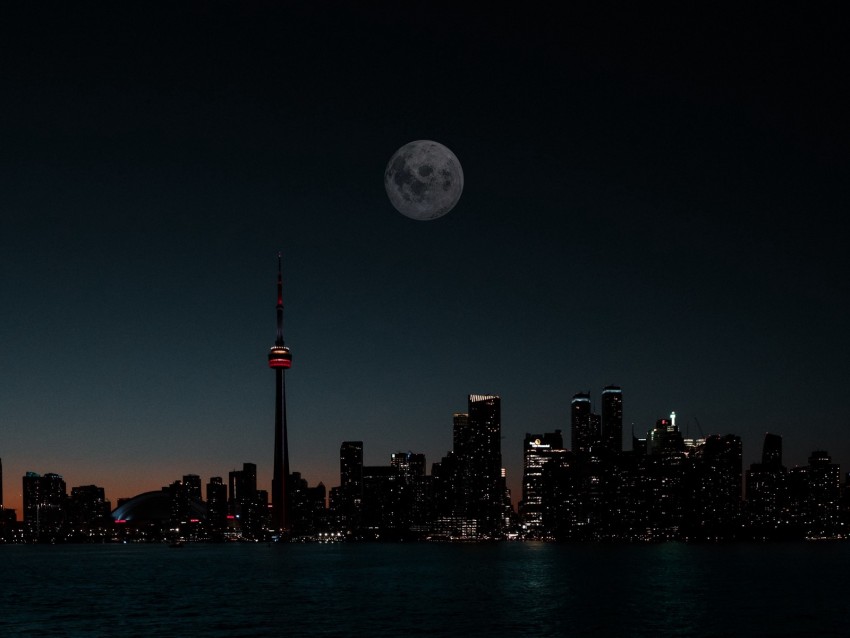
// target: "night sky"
[[655, 201]]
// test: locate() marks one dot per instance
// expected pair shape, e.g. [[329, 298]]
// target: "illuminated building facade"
[[538, 449], [480, 457]]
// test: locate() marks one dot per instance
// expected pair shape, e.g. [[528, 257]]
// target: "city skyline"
[[516, 485], [651, 201]]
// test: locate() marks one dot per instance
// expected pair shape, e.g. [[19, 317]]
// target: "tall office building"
[[767, 486], [243, 487], [44, 503], [538, 449], [712, 488], [280, 360], [479, 456], [248, 504], [824, 494], [584, 432], [351, 464], [349, 502], [216, 505], [1, 484], [192, 485], [771, 454], [612, 418], [88, 506]]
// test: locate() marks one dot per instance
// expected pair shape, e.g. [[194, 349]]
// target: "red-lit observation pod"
[[280, 357]]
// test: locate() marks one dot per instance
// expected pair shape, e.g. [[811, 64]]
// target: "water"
[[503, 589]]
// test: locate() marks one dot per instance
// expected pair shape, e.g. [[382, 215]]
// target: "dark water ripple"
[[507, 589]]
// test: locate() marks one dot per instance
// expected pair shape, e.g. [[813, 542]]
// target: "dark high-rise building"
[[771, 454], [415, 490], [612, 418], [410, 466], [308, 506], [351, 464], [480, 458], [280, 360], [44, 504], [247, 503], [824, 494], [584, 431], [88, 506], [712, 488], [243, 486], [385, 512], [538, 449], [1, 484], [192, 485], [767, 487], [216, 505], [461, 433], [348, 501]]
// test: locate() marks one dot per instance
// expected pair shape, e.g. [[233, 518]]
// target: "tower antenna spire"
[[279, 339]]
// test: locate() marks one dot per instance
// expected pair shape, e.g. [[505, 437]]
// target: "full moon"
[[424, 180]]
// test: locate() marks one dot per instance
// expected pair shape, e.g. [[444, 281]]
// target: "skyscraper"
[[480, 462], [583, 434], [612, 418], [771, 454], [767, 485], [350, 502], [538, 449], [44, 504], [216, 505], [280, 360]]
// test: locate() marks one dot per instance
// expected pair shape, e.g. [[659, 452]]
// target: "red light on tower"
[[280, 357]]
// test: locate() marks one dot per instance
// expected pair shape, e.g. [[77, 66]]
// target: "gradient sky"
[[654, 201]]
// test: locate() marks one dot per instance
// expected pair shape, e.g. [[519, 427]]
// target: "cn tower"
[[280, 359]]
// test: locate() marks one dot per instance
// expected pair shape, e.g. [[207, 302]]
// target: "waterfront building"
[[247, 504], [216, 506], [766, 492], [538, 449], [44, 505], [88, 507], [713, 489], [192, 484], [480, 458]]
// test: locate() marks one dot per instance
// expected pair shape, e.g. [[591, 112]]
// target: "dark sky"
[[651, 200]]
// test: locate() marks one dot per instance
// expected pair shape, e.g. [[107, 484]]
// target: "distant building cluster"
[[667, 487]]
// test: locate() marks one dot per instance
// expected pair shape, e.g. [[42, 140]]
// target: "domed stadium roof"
[[153, 507]]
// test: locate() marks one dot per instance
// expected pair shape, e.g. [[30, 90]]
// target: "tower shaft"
[[280, 492]]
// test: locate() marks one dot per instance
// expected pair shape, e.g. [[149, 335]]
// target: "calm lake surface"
[[501, 589]]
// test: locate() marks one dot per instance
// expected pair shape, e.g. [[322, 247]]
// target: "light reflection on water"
[[503, 589]]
